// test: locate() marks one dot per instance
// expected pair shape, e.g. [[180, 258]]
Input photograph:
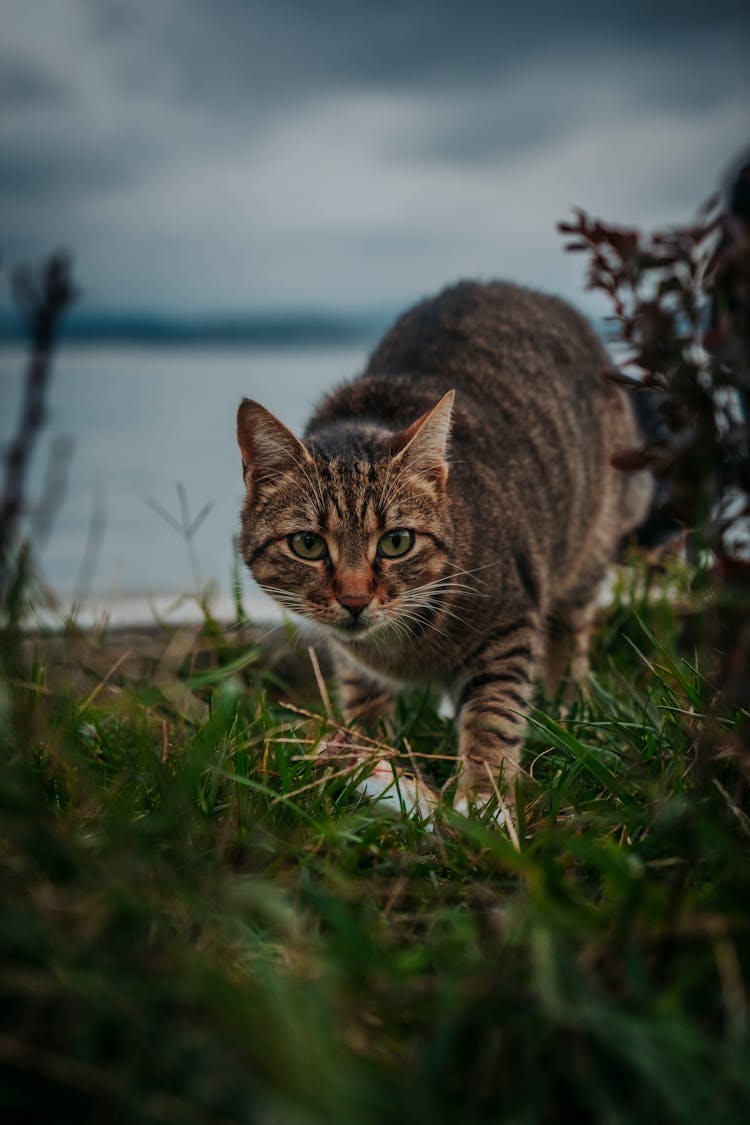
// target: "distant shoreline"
[[257, 331]]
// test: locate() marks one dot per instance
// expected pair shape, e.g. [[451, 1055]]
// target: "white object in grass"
[[398, 792]]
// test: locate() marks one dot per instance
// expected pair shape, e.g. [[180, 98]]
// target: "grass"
[[198, 926]]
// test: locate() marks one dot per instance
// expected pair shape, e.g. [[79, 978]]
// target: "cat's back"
[[498, 345], [473, 332]]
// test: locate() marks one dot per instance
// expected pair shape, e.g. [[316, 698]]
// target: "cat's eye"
[[308, 545], [396, 543]]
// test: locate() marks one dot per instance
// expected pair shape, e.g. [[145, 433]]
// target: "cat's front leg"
[[493, 705], [369, 705], [365, 701]]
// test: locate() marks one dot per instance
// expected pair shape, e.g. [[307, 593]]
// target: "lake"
[[140, 421]]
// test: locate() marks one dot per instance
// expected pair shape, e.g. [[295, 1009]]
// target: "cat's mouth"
[[356, 628]]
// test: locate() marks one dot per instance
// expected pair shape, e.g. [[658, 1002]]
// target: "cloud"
[[25, 84], [232, 48], [555, 94], [197, 155]]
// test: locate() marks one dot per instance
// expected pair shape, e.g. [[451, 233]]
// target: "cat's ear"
[[425, 443], [268, 448]]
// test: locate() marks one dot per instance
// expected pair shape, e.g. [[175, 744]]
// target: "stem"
[[43, 305]]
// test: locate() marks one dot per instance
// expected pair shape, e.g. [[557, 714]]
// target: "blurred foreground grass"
[[199, 926]]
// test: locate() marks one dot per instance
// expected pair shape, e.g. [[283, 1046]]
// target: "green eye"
[[396, 543], [308, 545]]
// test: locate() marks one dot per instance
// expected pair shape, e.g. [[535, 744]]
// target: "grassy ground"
[[198, 926]]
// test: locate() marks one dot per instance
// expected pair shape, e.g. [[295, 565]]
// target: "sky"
[[332, 154]]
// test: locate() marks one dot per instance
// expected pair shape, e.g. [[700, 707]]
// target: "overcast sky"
[[235, 154]]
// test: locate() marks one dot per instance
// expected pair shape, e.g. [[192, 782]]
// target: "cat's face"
[[351, 531]]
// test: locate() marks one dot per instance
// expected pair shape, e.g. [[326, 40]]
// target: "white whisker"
[[316, 486]]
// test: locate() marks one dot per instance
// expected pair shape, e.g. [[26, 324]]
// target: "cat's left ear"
[[268, 448], [425, 443]]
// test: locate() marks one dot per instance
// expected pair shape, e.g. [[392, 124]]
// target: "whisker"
[[388, 495], [412, 602], [316, 486], [458, 572], [446, 585], [433, 627]]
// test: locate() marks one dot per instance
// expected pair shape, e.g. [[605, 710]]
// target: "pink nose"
[[355, 603]]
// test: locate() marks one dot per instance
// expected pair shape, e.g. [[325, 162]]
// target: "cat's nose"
[[355, 603]]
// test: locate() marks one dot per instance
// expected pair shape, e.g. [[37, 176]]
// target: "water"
[[141, 421]]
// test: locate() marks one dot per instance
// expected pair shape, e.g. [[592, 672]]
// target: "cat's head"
[[352, 528]]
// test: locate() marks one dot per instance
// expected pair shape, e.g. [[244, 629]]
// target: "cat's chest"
[[427, 660]]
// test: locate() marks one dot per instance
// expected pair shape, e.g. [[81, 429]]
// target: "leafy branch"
[[681, 307], [666, 289]]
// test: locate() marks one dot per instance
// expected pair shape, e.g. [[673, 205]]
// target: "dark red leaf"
[[631, 460]]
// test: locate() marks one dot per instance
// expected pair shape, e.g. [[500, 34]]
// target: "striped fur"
[[515, 509]]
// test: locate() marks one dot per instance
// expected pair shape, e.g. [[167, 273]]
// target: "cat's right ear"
[[268, 448], [425, 442]]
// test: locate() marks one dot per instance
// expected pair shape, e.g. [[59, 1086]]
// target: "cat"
[[450, 514]]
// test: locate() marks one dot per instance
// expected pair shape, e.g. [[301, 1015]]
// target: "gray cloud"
[[298, 45], [202, 154], [554, 94], [252, 60], [24, 84]]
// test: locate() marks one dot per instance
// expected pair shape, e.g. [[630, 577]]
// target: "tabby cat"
[[451, 513]]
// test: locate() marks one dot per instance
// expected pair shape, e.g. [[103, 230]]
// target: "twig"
[[507, 819], [321, 683], [41, 300], [102, 683]]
